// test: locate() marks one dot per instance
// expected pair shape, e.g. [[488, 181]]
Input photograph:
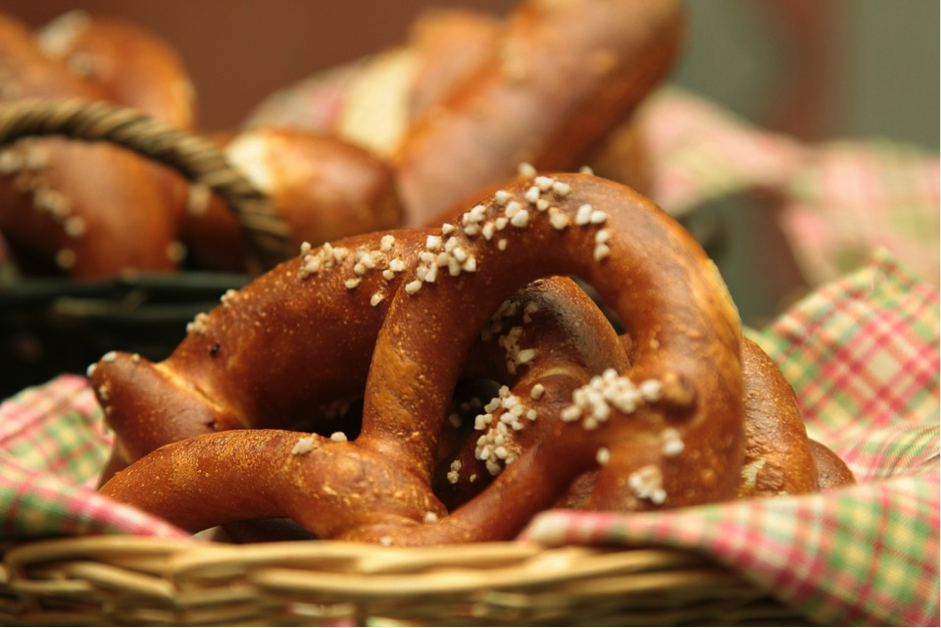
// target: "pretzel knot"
[[579, 416]]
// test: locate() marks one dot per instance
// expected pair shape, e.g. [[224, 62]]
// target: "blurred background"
[[859, 67], [812, 69]]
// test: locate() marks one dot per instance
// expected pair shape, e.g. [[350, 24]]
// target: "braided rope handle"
[[196, 158]]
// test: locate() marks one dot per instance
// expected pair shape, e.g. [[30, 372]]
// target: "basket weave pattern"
[[134, 581]]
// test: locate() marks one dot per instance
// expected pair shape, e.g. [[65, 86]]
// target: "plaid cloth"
[[52, 448], [862, 355], [862, 352], [839, 200]]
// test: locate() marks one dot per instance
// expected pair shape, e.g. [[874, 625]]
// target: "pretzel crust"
[[136, 67], [322, 187]]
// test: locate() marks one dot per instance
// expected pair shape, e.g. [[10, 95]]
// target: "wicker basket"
[[117, 580], [141, 581], [52, 325]]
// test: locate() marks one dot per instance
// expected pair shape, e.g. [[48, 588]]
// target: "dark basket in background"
[[50, 326], [54, 326]]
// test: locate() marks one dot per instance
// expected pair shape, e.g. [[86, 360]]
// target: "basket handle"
[[196, 158]]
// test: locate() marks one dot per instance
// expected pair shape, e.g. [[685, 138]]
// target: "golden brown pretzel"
[[686, 347], [544, 84]]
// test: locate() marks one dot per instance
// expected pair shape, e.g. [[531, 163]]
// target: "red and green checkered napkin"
[[863, 356], [52, 448], [838, 199]]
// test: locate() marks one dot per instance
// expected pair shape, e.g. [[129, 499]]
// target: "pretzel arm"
[[256, 360], [500, 506], [326, 486], [780, 458]]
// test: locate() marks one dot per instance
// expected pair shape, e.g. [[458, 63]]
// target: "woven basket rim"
[[118, 579]]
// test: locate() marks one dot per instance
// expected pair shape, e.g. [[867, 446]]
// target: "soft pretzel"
[[542, 343], [684, 358], [561, 76]]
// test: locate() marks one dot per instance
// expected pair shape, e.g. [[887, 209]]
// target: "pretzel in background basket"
[[54, 214], [103, 206]]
